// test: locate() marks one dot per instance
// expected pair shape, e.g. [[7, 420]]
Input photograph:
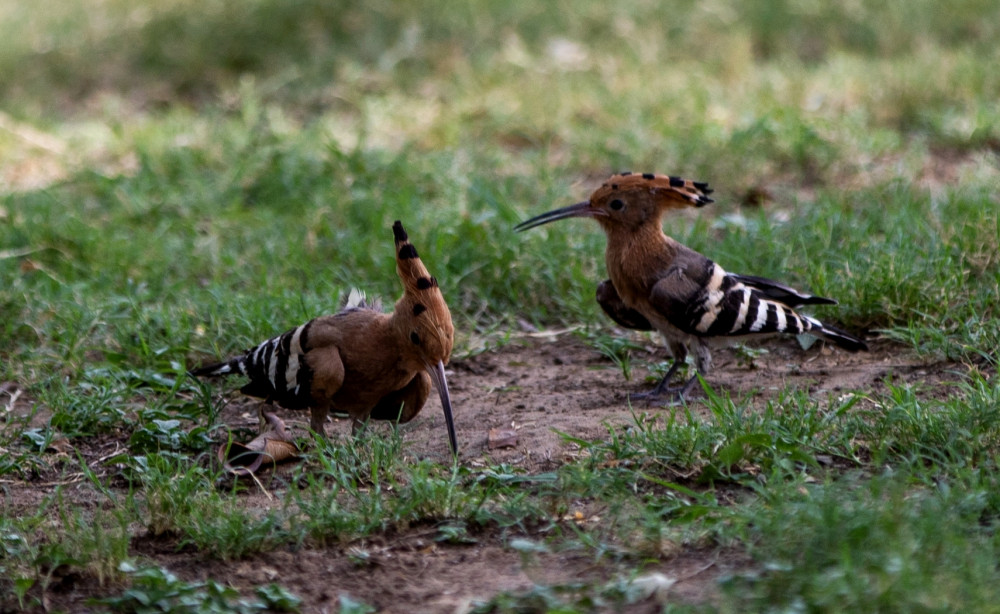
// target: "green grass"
[[182, 180], [158, 590]]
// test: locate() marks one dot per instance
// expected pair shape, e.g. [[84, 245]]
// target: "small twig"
[[17, 253], [261, 486], [705, 567], [106, 457], [32, 135], [551, 333], [78, 477]]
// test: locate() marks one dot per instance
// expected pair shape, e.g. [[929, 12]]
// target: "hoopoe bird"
[[658, 283], [360, 361]]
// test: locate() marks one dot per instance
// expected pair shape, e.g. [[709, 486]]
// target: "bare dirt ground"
[[537, 386]]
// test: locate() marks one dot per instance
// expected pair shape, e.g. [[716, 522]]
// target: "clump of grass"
[[36, 551], [618, 350], [156, 589], [173, 490], [906, 428], [340, 502], [857, 545], [230, 531]]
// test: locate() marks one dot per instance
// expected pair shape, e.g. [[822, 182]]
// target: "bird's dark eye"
[[616, 204], [415, 338]]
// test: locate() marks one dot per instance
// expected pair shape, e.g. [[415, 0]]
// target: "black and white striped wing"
[[777, 291], [277, 369], [716, 304]]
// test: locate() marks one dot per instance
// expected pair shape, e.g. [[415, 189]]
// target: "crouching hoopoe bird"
[[360, 361], [657, 283]]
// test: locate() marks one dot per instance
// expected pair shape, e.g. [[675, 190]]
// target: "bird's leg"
[[688, 387], [664, 384], [317, 418], [327, 378], [663, 390]]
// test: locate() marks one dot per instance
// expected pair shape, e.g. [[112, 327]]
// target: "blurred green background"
[[234, 167]]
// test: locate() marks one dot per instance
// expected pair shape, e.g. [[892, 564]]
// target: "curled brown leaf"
[[274, 445]]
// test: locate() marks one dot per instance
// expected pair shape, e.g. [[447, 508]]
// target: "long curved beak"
[[578, 210], [441, 383]]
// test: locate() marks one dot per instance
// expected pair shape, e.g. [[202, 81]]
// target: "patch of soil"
[[537, 386], [541, 387], [413, 573]]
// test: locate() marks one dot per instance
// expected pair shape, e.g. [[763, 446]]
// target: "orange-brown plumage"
[[359, 361], [657, 283]]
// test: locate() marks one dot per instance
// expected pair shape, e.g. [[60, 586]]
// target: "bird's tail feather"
[[233, 365], [842, 338]]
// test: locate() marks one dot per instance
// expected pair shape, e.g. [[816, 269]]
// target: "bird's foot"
[[664, 394], [667, 396]]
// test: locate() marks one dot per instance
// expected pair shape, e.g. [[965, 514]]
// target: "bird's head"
[[422, 318], [628, 201]]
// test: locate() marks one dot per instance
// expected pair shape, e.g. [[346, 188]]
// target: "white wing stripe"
[[761, 318], [271, 368], [741, 317], [294, 349]]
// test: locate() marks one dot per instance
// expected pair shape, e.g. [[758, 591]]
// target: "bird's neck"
[[400, 321], [636, 258]]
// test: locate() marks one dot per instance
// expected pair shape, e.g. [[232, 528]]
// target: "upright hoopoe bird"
[[657, 283], [360, 361]]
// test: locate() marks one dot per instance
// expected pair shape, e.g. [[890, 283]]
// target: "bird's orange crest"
[[422, 308], [411, 269], [672, 191]]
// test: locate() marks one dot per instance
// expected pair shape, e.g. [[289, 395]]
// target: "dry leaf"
[[502, 438], [273, 446], [60, 446]]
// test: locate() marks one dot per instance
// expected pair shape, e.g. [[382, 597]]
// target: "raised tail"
[[233, 365]]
